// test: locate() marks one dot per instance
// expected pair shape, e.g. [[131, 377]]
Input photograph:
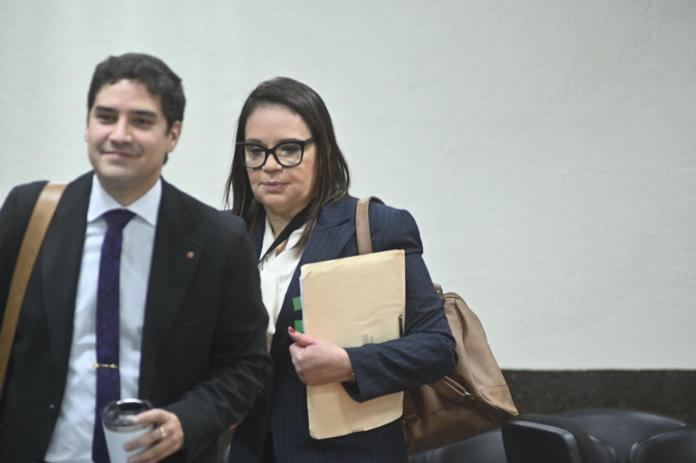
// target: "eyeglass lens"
[[286, 154]]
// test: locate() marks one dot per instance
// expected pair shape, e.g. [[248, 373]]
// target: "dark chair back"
[[621, 428], [536, 438], [675, 446]]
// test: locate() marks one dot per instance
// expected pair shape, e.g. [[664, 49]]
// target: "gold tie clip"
[[104, 365]]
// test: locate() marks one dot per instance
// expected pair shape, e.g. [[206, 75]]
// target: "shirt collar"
[[146, 207]]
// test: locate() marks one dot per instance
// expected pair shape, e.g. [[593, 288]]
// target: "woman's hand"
[[319, 362]]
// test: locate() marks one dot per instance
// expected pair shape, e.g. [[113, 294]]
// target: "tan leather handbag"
[[33, 237], [474, 398]]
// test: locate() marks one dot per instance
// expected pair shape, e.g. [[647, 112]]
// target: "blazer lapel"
[[60, 261], [333, 230], [174, 261], [256, 234]]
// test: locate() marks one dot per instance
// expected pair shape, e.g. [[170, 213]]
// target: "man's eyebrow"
[[137, 112], [144, 113], [104, 109]]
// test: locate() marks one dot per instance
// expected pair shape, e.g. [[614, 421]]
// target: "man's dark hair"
[[332, 177], [148, 70]]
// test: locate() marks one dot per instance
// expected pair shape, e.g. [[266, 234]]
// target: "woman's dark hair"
[[152, 72], [332, 176]]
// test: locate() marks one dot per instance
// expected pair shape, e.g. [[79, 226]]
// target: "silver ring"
[[162, 432]]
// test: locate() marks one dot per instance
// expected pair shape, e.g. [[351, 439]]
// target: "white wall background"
[[547, 148]]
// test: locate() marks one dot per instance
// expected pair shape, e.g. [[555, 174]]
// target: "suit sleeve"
[[239, 365], [426, 351]]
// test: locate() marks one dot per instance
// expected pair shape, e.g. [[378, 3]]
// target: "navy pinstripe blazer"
[[423, 354]]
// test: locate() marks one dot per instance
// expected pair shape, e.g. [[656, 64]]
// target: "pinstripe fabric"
[[424, 354]]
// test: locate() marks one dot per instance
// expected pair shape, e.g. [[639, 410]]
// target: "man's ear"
[[174, 134]]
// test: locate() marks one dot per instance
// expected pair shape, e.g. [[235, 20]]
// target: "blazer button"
[[52, 406]]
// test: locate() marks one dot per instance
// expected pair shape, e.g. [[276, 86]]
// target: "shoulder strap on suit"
[[362, 224], [31, 243]]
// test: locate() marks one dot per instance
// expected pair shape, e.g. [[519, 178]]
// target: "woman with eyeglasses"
[[289, 181]]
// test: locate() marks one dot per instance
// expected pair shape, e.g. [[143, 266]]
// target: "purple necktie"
[[108, 379]]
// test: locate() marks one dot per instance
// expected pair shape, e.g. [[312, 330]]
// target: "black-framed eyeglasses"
[[287, 153]]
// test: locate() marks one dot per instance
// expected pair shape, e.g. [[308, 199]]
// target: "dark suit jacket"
[[203, 351], [424, 354]]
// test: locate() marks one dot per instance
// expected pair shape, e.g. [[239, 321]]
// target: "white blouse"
[[276, 272]]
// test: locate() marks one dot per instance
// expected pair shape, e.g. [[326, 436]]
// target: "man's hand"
[[319, 362], [166, 438]]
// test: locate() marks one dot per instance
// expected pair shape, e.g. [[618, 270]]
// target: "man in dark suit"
[[190, 323]]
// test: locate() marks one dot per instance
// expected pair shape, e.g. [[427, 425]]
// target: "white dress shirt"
[[276, 272], [72, 436]]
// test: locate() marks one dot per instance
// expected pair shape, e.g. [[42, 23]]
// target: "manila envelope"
[[351, 302]]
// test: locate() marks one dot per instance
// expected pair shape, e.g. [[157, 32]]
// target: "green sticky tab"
[[297, 303], [299, 326]]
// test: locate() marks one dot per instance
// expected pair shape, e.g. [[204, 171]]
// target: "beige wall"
[[546, 148]]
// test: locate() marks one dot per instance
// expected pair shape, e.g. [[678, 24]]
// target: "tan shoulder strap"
[[362, 224], [33, 237]]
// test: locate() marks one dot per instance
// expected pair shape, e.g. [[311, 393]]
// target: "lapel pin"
[[190, 254]]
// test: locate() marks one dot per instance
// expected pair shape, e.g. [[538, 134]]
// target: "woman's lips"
[[273, 187]]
